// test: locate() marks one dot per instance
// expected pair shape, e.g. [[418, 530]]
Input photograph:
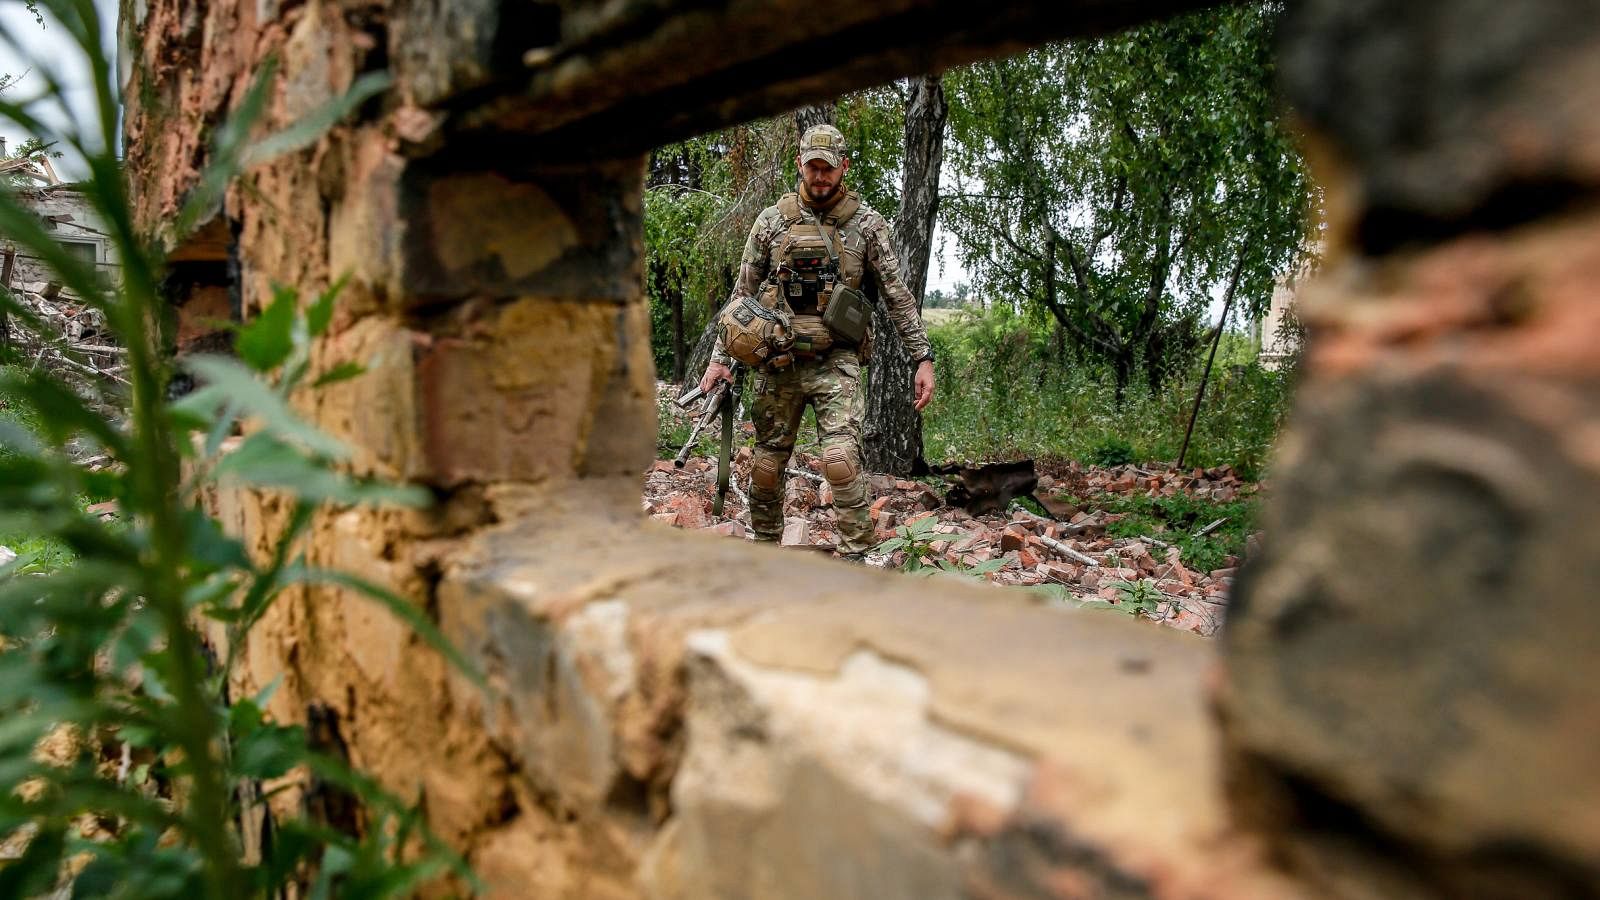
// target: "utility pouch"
[[847, 315], [811, 336]]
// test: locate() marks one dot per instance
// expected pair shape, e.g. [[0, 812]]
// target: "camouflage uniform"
[[831, 382]]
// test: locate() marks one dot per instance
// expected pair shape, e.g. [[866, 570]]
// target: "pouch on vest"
[[808, 269], [847, 315], [811, 336]]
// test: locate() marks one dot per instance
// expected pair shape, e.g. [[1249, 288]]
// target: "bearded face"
[[822, 180]]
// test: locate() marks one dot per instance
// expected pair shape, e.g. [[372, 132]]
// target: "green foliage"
[[104, 652], [1176, 519], [1117, 185], [1110, 451], [917, 540], [1138, 598], [1004, 392]]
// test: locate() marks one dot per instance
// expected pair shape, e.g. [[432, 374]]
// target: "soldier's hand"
[[923, 384], [714, 372]]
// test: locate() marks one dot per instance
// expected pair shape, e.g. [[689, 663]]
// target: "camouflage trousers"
[[832, 385]]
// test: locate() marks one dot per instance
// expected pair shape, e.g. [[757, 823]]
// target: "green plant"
[[1178, 519], [1005, 391], [917, 539], [120, 748], [1140, 597], [1110, 451]]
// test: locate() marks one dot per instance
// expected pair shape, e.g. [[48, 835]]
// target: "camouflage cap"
[[822, 142]]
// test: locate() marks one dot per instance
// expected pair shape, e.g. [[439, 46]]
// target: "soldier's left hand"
[[923, 385]]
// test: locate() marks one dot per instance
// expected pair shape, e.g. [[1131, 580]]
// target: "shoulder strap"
[[789, 208], [845, 210]]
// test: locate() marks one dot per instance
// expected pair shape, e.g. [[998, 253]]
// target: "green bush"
[[1110, 451], [1006, 391], [1175, 520]]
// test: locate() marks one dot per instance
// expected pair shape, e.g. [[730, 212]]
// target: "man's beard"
[[820, 192]]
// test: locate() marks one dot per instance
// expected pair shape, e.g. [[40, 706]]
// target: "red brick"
[[1013, 538], [877, 507]]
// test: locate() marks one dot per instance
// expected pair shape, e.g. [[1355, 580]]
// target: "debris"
[[1068, 550], [989, 488], [796, 532]]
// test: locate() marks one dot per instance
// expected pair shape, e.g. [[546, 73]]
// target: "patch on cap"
[[823, 142]]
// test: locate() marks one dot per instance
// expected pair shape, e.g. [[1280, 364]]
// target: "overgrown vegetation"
[[126, 764], [1005, 393], [1177, 519], [916, 540]]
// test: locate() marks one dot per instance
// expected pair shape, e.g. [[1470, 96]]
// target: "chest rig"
[[809, 257], [809, 302]]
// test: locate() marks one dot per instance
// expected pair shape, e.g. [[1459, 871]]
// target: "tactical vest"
[[808, 263]]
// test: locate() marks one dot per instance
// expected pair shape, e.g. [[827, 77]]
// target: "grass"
[[1175, 520], [1003, 393]]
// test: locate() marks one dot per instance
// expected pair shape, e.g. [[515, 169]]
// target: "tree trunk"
[[807, 116], [700, 356], [892, 435], [678, 348]]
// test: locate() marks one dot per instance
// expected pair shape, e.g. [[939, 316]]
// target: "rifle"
[[718, 403]]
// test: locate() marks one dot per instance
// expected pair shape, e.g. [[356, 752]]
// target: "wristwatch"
[[926, 357]]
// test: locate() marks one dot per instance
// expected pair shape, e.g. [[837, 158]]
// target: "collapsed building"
[[671, 715]]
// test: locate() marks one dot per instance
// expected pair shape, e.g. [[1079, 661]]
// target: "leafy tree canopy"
[[1120, 184]]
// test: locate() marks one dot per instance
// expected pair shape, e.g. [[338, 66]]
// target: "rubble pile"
[[1071, 551], [73, 341]]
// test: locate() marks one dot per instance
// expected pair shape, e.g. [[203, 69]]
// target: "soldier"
[[799, 252]]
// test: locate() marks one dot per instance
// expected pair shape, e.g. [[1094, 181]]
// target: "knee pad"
[[766, 472], [839, 465]]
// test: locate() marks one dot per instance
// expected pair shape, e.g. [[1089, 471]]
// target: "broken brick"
[[876, 512], [1013, 538], [796, 532], [1056, 571]]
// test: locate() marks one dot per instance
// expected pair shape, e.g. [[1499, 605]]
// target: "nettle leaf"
[[987, 566], [228, 382], [269, 751], [266, 341], [342, 372], [264, 461], [320, 315], [209, 545]]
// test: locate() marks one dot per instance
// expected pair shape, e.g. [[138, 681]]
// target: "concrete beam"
[[594, 82]]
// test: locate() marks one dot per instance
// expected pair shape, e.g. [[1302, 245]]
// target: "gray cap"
[[823, 142]]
